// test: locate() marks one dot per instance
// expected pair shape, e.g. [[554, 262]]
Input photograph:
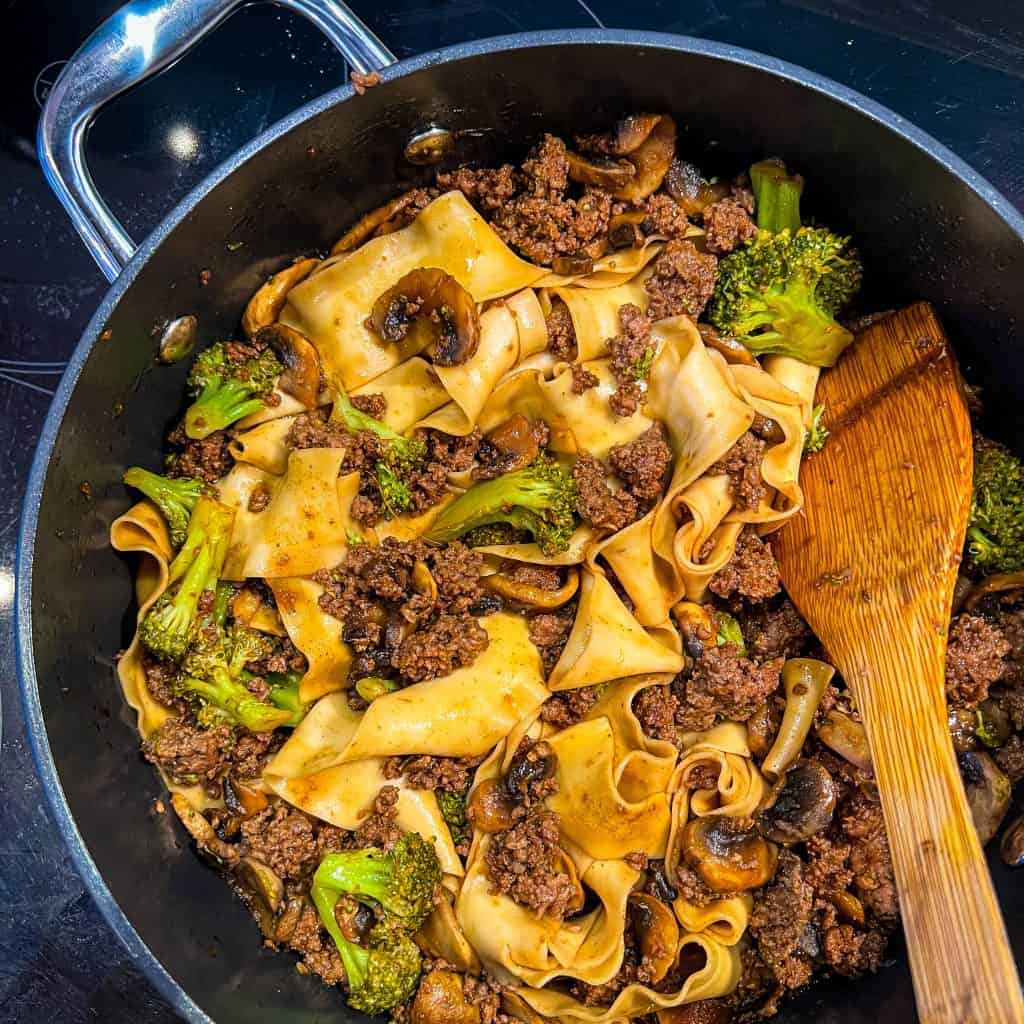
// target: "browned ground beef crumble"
[[682, 282], [723, 686], [597, 503], [655, 708], [208, 459], [561, 332], [564, 709], [974, 660], [549, 632], [643, 465], [751, 572], [742, 464]]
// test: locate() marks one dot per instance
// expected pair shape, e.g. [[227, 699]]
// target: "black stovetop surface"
[[955, 69]]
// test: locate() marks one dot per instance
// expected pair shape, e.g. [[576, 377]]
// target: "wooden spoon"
[[871, 565]]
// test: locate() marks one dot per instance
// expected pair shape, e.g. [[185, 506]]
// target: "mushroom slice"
[[572, 266], [696, 625], [688, 187], [441, 937], [440, 1000], [728, 855], [370, 222], [994, 584], [301, 377], [535, 765], [264, 889], [515, 444], [604, 172], [628, 135], [243, 799], [490, 807], [516, 1006], [802, 804], [652, 160], [988, 792], [265, 306], [624, 230], [1011, 849], [847, 738], [734, 351], [430, 292], [529, 595], [657, 932], [202, 831]]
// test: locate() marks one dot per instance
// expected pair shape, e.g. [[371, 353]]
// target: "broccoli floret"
[[395, 493], [540, 499], [494, 535], [284, 694], [453, 809], [780, 293], [815, 438], [401, 881], [640, 368], [728, 631], [401, 454], [995, 528], [170, 625], [776, 196], [225, 390], [176, 498], [245, 645], [383, 973]]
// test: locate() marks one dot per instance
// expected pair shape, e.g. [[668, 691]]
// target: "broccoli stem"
[[231, 697], [219, 405], [176, 498], [402, 453], [777, 196]]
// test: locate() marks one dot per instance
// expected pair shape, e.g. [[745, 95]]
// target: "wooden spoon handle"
[[961, 960]]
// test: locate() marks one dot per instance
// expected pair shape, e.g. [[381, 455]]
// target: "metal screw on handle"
[[143, 38]]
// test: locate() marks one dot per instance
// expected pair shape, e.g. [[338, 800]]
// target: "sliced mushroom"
[[430, 292], [624, 230], [688, 187], [264, 891], [728, 855], [627, 136], [441, 937], [657, 932], [994, 584], [491, 808], [423, 581], [572, 266], [802, 804], [286, 924], [767, 429], [804, 681], [604, 172], [847, 738], [992, 723], [733, 350], [516, 1006], [265, 306], [371, 222], [178, 339], [652, 160], [440, 1000], [529, 767], [301, 362], [1011, 849], [530, 596], [515, 441], [988, 792], [850, 908], [697, 626], [202, 831], [243, 798]]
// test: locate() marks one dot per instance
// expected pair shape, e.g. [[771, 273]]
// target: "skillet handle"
[[143, 38]]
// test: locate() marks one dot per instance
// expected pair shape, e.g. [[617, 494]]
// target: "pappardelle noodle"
[[461, 647]]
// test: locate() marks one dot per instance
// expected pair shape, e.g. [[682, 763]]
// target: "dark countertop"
[[955, 70]]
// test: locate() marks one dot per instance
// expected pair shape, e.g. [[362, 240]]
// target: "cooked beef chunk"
[[485, 994], [314, 429], [310, 940], [424, 772], [253, 751], [643, 465], [751, 572], [286, 658], [567, 708], [521, 864], [1010, 758], [160, 677], [488, 190], [778, 632], [682, 282], [724, 686], [664, 216], [543, 577], [549, 632], [208, 459], [780, 916], [284, 839], [974, 660], [378, 828], [596, 502], [727, 225], [655, 708], [582, 379], [561, 332], [188, 754], [447, 643], [373, 404], [625, 400], [742, 464]]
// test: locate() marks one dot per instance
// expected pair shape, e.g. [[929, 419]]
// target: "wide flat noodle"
[[462, 714], [304, 527], [308, 772], [724, 920], [331, 306], [595, 314], [705, 541], [594, 815], [316, 634], [411, 390], [614, 268], [531, 553], [264, 445], [607, 642]]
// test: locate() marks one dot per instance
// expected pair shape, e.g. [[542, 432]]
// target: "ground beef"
[[363, 80], [423, 772], [724, 686], [549, 632], [655, 708], [702, 776], [286, 657], [751, 572], [253, 751], [284, 839], [643, 465], [446, 454], [543, 577], [485, 994], [314, 430], [310, 940], [629, 348], [852, 952], [635, 969], [1012, 625], [742, 464], [567, 708], [374, 404], [208, 459], [870, 861], [727, 225], [682, 282], [596, 502], [448, 643], [664, 216], [582, 379], [974, 660], [561, 332], [378, 828], [188, 754], [1010, 758], [259, 498], [487, 189], [521, 865], [778, 920], [625, 400], [160, 679], [778, 632]]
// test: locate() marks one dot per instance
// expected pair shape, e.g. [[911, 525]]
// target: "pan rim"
[[42, 755]]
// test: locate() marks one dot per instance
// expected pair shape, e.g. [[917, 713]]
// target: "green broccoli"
[[395, 493], [171, 624], [225, 389], [453, 809], [815, 438], [245, 644], [384, 972], [176, 498], [372, 687], [402, 881], [401, 454], [640, 368], [494, 535], [995, 527], [776, 196], [728, 631], [780, 293], [540, 499]]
